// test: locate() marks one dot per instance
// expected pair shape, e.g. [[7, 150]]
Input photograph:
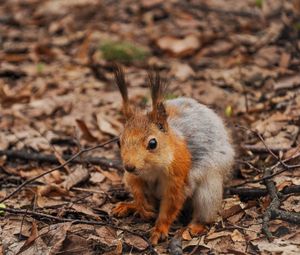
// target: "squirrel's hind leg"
[[207, 199]]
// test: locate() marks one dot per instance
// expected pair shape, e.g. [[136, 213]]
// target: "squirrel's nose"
[[129, 168]]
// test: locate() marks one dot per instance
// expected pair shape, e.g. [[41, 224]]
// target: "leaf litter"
[[240, 58]]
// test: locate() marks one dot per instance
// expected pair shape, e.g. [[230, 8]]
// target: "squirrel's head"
[[145, 140]]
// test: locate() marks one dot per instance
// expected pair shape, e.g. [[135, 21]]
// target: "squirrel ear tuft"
[[157, 87], [121, 83]]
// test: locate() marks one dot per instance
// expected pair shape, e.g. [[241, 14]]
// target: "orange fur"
[[172, 112], [173, 197], [140, 204], [196, 229]]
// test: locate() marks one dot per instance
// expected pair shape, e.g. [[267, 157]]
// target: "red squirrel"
[[179, 149]]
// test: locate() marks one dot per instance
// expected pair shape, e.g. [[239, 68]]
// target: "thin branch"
[[275, 203], [44, 158], [253, 193], [57, 168]]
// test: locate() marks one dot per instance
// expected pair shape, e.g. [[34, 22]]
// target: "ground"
[[58, 98]]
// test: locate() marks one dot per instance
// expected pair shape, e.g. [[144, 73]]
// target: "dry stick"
[[275, 203], [289, 167], [88, 222], [252, 193], [58, 167], [45, 158], [280, 162]]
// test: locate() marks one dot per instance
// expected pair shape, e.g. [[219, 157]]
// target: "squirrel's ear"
[[158, 114], [121, 83]]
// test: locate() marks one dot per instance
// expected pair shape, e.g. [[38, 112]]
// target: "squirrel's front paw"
[[158, 233], [145, 214], [123, 209]]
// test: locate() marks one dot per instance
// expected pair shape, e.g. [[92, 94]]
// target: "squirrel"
[[179, 149]]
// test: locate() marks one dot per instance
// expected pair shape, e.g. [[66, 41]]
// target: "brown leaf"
[[55, 235], [61, 161], [287, 82], [97, 177], [186, 235], [216, 235], [105, 125], [85, 210], [107, 235], [231, 211], [80, 174], [113, 177], [182, 72], [136, 241], [86, 133], [179, 47], [52, 190], [30, 240], [237, 236]]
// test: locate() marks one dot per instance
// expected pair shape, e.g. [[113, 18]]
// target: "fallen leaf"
[[105, 125], [85, 210], [30, 240], [237, 236], [288, 82], [182, 71], [217, 235], [86, 133], [136, 242], [80, 174], [186, 235], [107, 235], [97, 177], [179, 47]]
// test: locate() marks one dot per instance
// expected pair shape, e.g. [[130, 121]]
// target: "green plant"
[[122, 51], [259, 3]]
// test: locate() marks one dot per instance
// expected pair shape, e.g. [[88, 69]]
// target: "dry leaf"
[[136, 242], [30, 240], [237, 236], [86, 133], [107, 235], [85, 210], [105, 125], [179, 47], [97, 177], [216, 235], [80, 174]]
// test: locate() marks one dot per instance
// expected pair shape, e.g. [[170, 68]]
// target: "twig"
[[275, 203], [286, 216], [57, 168], [255, 148], [38, 157], [39, 215], [252, 193], [289, 167]]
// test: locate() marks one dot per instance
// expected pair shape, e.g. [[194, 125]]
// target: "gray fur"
[[211, 151]]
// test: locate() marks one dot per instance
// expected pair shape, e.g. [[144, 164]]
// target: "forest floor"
[[58, 98]]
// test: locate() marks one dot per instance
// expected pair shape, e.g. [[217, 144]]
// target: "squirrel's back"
[[205, 134]]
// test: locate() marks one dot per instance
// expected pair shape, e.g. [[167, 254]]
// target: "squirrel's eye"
[[152, 144], [119, 144]]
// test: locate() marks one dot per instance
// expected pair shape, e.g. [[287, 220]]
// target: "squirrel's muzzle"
[[129, 168]]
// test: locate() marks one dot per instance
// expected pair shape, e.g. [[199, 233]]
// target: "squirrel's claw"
[[123, 209], [158, 234], [196, 229], [145, 214]]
